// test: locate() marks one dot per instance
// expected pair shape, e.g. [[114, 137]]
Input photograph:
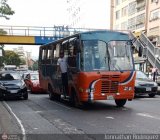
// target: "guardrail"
[[59, 31], [152, 52]]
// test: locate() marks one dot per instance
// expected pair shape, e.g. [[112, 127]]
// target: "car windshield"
[[9, 76], [141, 75], [34, 76]]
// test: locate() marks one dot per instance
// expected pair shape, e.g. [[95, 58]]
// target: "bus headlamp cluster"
[[127, 88], [90, 90]]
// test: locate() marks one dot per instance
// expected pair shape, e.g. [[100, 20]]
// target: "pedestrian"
[[62, 68], [154, 73]]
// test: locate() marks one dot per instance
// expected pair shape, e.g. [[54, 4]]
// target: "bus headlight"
[[90, 90], [127, 88]]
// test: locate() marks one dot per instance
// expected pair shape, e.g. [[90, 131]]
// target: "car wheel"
[[120, 102], [25, 95], [152, 95]]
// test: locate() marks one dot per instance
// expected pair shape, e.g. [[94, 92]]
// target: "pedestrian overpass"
[[28, 35]]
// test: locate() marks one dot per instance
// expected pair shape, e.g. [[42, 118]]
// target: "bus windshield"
[[99, 55], [120, 55]]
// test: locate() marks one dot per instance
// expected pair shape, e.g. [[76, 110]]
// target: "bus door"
[[73, 64], [56, 77]]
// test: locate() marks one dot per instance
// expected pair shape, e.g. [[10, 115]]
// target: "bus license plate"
[[110, 97], [148, 89]]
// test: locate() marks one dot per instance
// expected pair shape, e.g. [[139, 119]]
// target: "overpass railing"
[[60, 31]]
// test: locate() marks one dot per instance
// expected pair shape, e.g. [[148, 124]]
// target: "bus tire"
[[74, 99], [51, 97], [120, 102]]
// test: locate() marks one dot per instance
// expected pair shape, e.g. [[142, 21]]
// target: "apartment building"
[[137, 15], [128, 14], [153, 29]]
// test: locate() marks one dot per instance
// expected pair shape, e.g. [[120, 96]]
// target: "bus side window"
[[72, 55], [57, 51], [49, 55], [44, 54], [40, 54]]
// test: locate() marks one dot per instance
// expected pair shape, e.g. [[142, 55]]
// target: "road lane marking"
[[109, 117], [18, 120], [148, 116]]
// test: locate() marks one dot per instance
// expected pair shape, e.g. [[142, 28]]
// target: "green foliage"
[[11, 58], [23, 61], [1, 57], [35, 66], [5, 10], [2, 32], [1, 62]]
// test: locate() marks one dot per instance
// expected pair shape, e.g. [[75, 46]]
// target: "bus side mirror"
[[140, 51], [77, 44]]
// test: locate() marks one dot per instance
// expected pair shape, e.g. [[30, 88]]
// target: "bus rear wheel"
[[51, 97], [120, 102]]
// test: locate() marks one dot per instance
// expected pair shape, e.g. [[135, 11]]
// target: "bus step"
[[65, 97]]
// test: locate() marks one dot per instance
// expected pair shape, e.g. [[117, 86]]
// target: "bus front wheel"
[[120, 102]]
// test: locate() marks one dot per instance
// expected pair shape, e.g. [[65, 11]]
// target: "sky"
[[46, 13]]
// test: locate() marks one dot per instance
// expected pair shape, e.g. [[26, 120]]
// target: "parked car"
[[32, 82], [144, 85], [158, 80], [11, 85]]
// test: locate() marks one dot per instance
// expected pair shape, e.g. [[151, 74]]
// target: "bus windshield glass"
[[120, 55], [94, 55], [99, 55]]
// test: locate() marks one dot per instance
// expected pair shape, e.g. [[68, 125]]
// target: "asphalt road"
[[39, 115]]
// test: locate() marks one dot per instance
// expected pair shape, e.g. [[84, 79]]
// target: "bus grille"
[[110, 84]]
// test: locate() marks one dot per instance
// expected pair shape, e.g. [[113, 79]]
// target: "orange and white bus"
[[100, 67]]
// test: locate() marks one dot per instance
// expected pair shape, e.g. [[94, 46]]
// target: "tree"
[[5, 10], [35, 66], [1, 57], [23, 61], [2, 32], [12, 58]]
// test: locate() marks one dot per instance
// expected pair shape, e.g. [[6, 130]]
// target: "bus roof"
[[120, 32]]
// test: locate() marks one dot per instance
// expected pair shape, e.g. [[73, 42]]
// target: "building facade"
[[153, 29], [137, 15]]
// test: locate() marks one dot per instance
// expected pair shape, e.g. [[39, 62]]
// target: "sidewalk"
[[8, 123]]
